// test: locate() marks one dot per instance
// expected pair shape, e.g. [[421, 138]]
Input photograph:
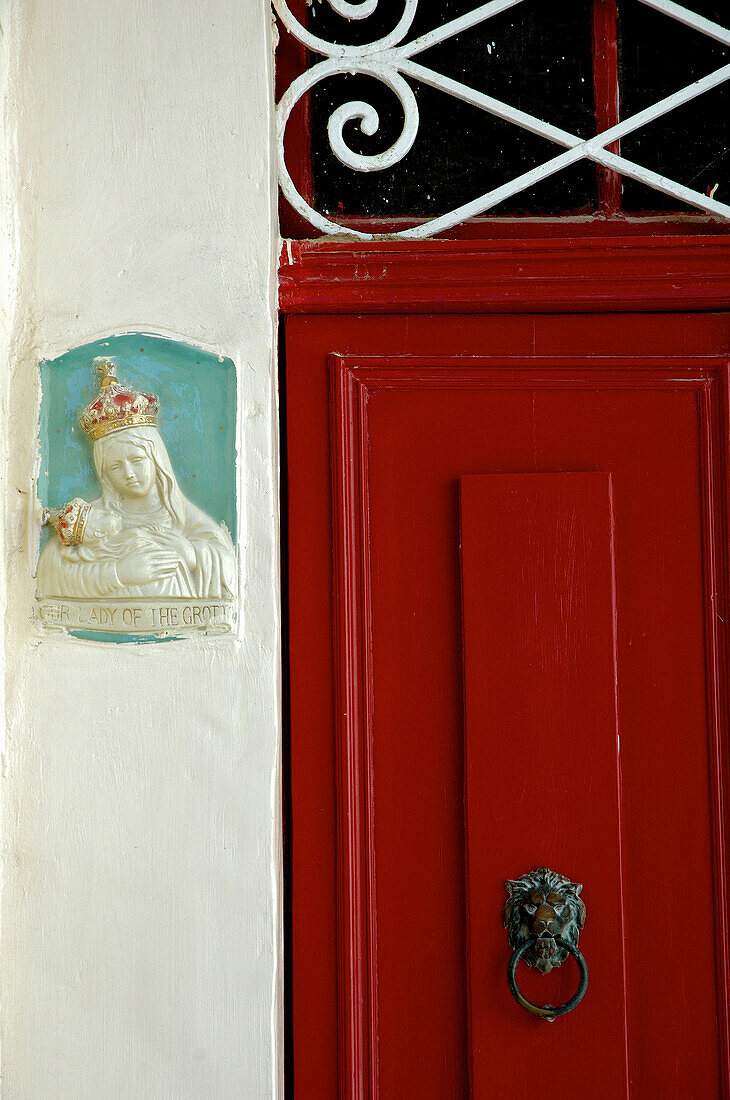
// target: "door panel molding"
[[550, 584], [714, 405], [353, 380], [356, 893]]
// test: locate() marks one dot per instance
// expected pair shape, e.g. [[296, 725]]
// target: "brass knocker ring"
[[547, 1012]]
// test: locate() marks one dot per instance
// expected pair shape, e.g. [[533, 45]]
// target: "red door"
[[507, 609]]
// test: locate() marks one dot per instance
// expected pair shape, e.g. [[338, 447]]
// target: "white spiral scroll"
[[370, 123], [355, 110], [354, 11], [336, 49]]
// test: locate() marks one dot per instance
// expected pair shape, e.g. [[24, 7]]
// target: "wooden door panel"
[[385, 417], [540, 719]]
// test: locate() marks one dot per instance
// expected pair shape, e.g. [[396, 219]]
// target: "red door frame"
[[600, 272], [592, 268]]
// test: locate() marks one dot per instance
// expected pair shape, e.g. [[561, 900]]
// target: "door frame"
[[558, 272], [566, 273]]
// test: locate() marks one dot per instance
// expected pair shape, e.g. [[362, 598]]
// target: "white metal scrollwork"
[[390, 60]]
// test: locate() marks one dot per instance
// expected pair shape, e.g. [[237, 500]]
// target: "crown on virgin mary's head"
[[117, 406]]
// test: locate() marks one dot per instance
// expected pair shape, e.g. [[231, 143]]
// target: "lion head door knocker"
[[543, 915]]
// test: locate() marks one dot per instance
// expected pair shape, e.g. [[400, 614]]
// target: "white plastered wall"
[[141, 810]]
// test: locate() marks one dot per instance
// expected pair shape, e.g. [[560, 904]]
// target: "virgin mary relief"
[[141, 557]]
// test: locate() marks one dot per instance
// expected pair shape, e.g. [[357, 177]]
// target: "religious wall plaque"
[[149, 554]]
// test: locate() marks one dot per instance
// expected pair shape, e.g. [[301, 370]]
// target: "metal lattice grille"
[[397, 64]]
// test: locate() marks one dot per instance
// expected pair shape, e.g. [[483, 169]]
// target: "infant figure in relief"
[[88, 533], [71, 524]]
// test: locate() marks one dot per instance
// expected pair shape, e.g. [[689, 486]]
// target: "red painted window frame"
[[293, 58]]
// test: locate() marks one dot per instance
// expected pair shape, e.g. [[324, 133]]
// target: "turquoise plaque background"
[[197, 393]]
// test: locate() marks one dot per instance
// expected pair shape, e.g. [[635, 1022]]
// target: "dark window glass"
[[536, 57], [658, 56]]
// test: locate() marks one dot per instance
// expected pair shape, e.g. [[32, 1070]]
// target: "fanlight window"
[[429, 113]]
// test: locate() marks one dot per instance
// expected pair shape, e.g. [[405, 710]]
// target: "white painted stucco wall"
[[140, 927]]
